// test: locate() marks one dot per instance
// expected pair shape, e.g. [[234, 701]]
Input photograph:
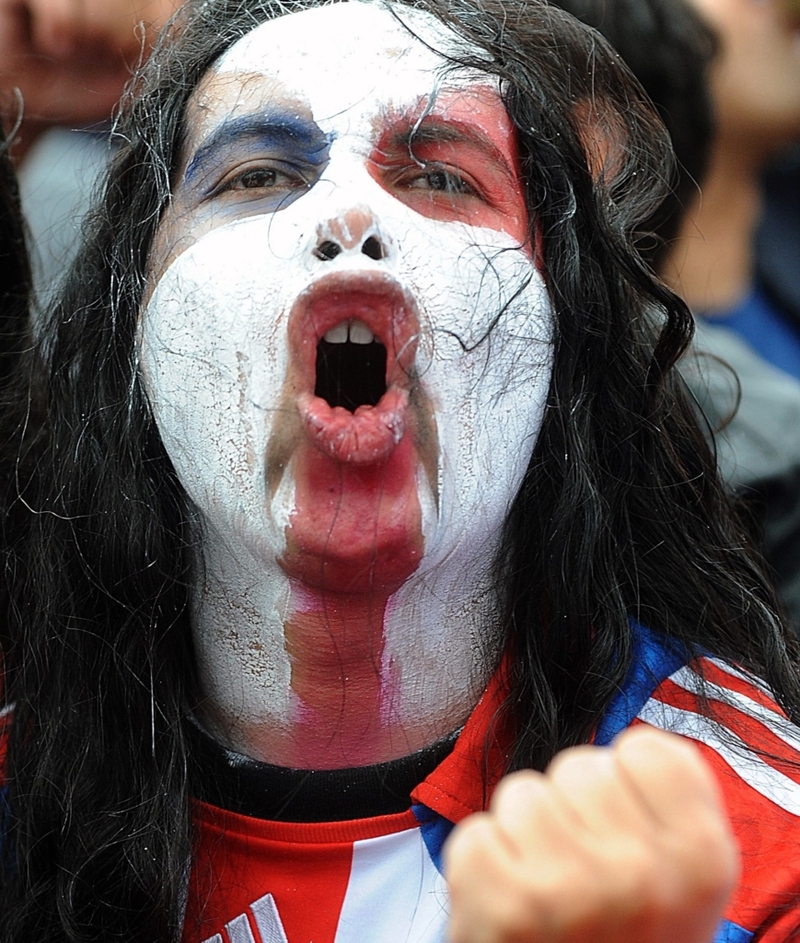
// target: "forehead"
[[341, 63]]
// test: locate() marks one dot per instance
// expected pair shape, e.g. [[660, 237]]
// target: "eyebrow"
[[276, 129], [435, 130]]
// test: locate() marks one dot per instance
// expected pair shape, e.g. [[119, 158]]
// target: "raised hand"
[[621, 844]]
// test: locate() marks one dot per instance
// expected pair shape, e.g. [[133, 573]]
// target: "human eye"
[[265, 177], [452, 172], [262, 178], [438, 179]]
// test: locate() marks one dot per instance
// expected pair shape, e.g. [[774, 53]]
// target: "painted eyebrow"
[[434, 130], [271, 129]]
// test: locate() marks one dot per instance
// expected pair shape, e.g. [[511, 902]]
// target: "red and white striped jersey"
[[375, 880], [379, 880], [755, 753]]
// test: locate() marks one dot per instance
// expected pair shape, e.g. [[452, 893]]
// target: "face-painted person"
[[367, 480]]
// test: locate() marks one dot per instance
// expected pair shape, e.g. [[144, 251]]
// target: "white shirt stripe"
[[777, 724], [395, 893], [758, 774]]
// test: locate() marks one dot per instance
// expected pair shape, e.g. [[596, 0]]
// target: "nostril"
[[373, 248], [327, 250]]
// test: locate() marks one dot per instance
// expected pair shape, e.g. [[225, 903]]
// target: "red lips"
[[371, 433]]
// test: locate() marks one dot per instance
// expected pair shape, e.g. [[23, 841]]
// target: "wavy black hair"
[[15, 296], [15, 273], [620, 514]]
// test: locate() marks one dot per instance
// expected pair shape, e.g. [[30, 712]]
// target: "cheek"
[[486, 442], [184, 228], [475, 292], [213, 363], [195, 389], [488, 384], [492, 431]]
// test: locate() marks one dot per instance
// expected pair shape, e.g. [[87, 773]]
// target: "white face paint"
[[357, 189]]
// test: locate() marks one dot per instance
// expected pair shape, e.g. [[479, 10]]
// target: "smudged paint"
[[354, 529], [345, 630], [280, 137]]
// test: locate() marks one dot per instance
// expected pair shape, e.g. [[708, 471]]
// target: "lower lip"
[[365, 437]]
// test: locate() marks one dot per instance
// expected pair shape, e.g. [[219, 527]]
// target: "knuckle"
[[516, 787], [575, 759]]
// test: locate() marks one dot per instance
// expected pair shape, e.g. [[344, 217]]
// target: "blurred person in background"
[[752, 406], [755, 81], [778, 237]]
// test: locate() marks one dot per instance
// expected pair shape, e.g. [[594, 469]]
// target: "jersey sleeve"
[[754, 751]]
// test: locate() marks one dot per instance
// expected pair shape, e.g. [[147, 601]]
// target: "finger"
[[56, 25], [488, 902], [680, 790], [668, 773], [124, 23], [590, 782], [116, 22], [530, 813]]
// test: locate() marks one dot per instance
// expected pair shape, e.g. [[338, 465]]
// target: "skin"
[[59, 27], [78, 87], [756, 77], [755, 82], [624, 844], [70, 59], [344, 608]]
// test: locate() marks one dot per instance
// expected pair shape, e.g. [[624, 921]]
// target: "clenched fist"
[[621, 844]]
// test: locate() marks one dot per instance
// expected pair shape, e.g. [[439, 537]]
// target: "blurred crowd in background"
[[725, 77]]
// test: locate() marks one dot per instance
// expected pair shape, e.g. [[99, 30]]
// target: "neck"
[[710, 264], [308, 679]]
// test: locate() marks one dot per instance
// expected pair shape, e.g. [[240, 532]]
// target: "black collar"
[[240, 784]]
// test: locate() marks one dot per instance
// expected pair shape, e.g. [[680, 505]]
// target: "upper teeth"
[[355, 331]]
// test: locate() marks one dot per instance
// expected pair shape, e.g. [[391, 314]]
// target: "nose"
[[354, 232]]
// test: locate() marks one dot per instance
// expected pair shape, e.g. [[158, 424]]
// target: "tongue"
[[367, 436]]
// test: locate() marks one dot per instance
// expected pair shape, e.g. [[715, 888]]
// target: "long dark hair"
[[15, 273], [15, 299], [620, 514]]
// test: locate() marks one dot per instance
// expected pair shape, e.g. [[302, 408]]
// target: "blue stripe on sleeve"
[[728, 932], [654, 659], [434, 828]]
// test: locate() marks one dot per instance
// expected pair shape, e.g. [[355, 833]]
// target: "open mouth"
[[354, 338], [351, 366]]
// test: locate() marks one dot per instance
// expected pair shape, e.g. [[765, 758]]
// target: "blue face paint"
[[281, 156]]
